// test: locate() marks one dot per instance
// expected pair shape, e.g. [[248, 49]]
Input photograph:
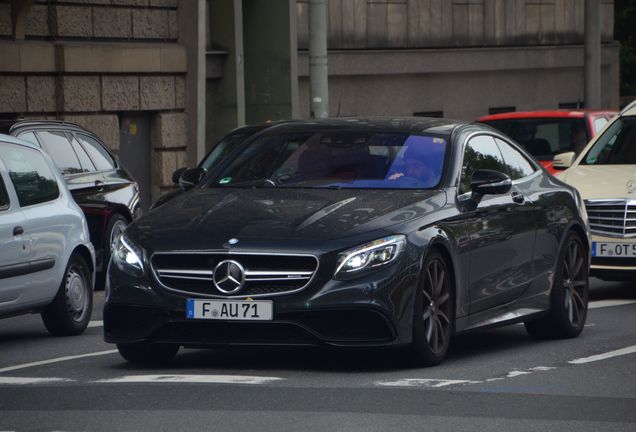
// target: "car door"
[[14, 259], [501, 233], [39, 229]]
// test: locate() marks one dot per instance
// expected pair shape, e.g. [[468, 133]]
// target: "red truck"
[[547, 133]]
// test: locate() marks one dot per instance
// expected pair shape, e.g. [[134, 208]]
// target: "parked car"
[[105, 192], [46, 258], [545, 134], [185, 178], [354, 232], [605, 175]]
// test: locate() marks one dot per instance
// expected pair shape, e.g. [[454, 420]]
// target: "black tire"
[[569, 296], [434, 312], [115, 225], [70, 311], [148, 354]]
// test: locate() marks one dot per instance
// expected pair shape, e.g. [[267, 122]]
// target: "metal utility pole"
[[318, 74], [592, 57]]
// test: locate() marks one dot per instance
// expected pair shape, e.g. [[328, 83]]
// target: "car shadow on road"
[[601, 290]]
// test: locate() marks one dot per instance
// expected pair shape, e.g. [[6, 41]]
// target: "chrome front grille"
[[192, 273], [613, 218]]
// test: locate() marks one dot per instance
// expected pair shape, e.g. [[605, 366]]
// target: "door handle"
[[99, 185], [18, 231], [518, 198]]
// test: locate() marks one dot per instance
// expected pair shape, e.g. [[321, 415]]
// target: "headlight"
[[369, 256], [127, 256]]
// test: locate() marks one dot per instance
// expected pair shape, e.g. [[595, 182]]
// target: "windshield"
[[227, 144], [338, 159], [617, 146], [545, 137]]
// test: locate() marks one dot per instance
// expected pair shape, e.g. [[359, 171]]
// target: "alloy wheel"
[[575, 283], [437, 307]]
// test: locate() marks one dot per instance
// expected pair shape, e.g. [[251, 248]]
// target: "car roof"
[[13, 140], [381, 124], [542, 114], [9, 126], [630, 109]]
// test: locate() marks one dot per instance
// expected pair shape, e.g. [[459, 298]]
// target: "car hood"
[[602, 181], [277, 217]]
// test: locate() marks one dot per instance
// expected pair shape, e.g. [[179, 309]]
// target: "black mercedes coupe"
[[390, 232]]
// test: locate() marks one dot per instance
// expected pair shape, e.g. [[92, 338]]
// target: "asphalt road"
[[495, 380]]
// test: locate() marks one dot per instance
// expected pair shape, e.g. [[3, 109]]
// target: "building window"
[[500, 110], [570, 105], [437, 114]]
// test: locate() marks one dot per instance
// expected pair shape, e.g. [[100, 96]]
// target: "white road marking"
[[516, 373], [31, 380], [56, 360], [424, 382], [92, 324], [542, 368], [207, 379], [607, 355], [608, 303]]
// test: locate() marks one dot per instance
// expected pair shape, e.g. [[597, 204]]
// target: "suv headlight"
[[358, 260], [127, 256]]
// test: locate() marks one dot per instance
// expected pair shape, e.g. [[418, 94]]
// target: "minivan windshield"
[[617, 145], [338, 159]]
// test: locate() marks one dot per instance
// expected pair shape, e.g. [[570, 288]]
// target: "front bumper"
[[375, 310]]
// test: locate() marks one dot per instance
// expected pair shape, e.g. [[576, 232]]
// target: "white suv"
[[46, 259]]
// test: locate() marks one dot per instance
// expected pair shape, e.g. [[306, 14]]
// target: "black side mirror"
[[177, 175], [489, 182], [190, 177]]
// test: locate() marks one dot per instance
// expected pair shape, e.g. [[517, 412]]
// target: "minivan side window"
[[4, 197], [99, 155], [30, 137], [59, 148], [32, 178]]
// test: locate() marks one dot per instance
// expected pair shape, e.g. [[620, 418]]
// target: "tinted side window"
[[59, 148], [481, 153], [517, 166], [31, 176], [87, 165], [99, 155], [4, 197], [30, 137]]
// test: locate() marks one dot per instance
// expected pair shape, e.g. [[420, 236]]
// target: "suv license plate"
[[229, 309], [614, 250]]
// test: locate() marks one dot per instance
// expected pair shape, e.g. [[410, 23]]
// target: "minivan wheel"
[[569, 297], [116, 225], [70, 311], [148, 354], [433, 318]]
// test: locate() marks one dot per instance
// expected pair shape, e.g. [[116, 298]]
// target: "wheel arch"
[[85, 253], [442, 244]]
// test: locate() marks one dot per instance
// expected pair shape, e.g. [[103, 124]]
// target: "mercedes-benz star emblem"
[[631, 186], [229, 276]]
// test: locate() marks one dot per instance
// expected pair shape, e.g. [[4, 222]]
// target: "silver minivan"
[[46, 259]]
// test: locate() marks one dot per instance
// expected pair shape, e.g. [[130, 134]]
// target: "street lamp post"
[[318, 73]]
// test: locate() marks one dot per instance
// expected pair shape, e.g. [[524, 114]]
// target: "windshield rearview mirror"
[[177, 175], [564, 160], [489, 182], [190, 177]]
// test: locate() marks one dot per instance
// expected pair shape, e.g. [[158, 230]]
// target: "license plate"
[[229, 309], [614, 250]]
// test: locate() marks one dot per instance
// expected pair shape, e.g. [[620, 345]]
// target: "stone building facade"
[[125, 69], [112, 66]]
